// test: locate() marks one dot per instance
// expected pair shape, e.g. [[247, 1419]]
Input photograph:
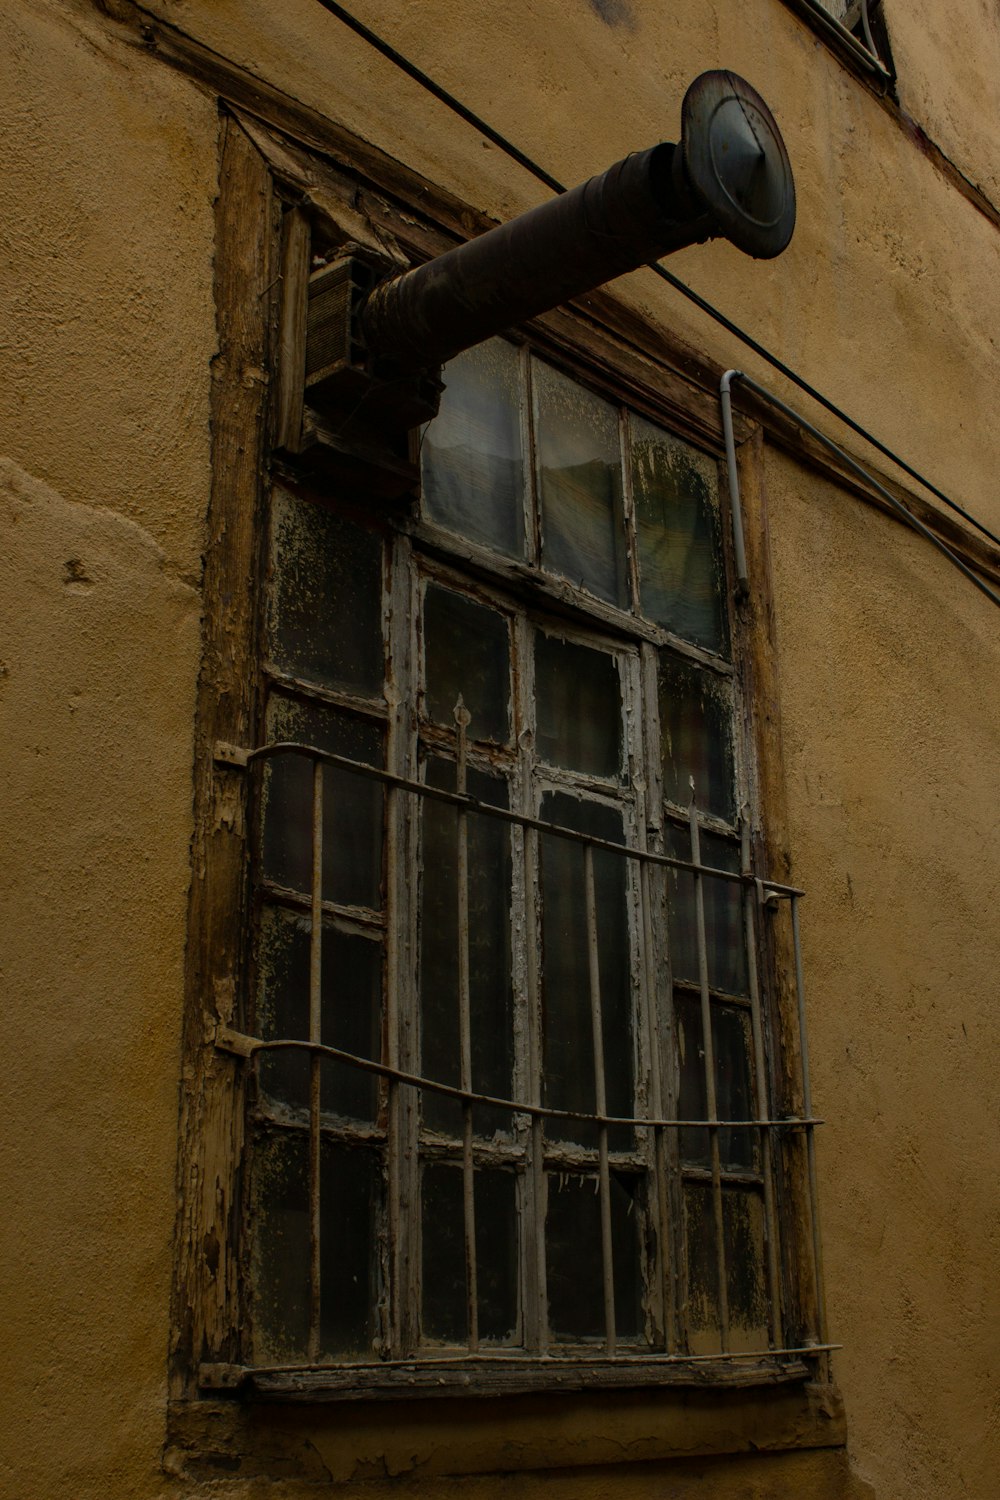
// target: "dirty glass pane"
[[743, 1238], [350, 1201], [733, 1089], [473, 464], [682, 580], [568, 1039], [351, 1020], [724, 937], [445, 1315], [579, 707], [281, 1247], [352, 804], [491, 1004], [467, 654], [578, 448], [574, 1263], [350, 1198], [696, 712], [325, 602]]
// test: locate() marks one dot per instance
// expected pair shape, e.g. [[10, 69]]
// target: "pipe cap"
[[737, 163]]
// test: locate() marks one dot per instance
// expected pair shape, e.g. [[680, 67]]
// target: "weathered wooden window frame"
[[262, 178]]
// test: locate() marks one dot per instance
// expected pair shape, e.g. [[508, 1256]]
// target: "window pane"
[[696, 743], [467, 654], [351, 1013], [325, 603], [682, 581], [473, 466], [491, 1004], [743, 1239], [733, 1089], [350, 1203], [575, 1271], [725, 943], [445, 1313], [580, 485], [352, 804], [579, 707], [568, 1029]]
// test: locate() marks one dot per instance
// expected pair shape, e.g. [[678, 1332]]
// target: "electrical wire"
[[523, 160]]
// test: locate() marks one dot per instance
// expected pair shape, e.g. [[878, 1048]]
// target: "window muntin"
[[562, 996]]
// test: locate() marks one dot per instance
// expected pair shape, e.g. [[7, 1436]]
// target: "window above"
[[857, 32]]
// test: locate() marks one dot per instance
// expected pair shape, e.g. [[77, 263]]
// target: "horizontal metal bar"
[[240, 1045], [233, 1374], [236, 757]]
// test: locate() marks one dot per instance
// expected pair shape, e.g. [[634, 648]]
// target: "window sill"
[[499, 1376], [345, 1441]]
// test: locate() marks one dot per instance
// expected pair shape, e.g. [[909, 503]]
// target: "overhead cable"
[[509, 149]]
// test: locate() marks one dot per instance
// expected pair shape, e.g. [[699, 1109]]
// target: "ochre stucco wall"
[[106, 332], [888, 687]]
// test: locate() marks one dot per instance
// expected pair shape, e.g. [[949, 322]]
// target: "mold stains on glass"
[[352, 1198], [578, 449], [743, 1237], [325, 603], [681, 576]]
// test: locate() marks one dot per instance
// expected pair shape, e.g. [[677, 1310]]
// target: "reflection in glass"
[[568, 1029], [325, 602], [352, 804], [467, 653], [580, 485], [677, 523], [696, 737], [473, 467], [723, 901], [491, 1003], [743, 1242], [579, 707], [733, 1089], [350, 1203], [445, 1313], [351, 1013], [575, 1275]]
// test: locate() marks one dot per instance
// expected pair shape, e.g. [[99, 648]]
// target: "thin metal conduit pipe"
[[725, 399], [541, 175]]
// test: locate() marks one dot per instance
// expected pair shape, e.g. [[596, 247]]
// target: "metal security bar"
[[537, 1157]]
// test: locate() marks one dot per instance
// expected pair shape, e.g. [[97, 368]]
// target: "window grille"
[[712, 1155], [508, 1026]]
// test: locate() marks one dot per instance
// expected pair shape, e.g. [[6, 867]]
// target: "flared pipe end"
[[736, 163]]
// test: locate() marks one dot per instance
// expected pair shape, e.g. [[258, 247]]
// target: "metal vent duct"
[[729, 177]]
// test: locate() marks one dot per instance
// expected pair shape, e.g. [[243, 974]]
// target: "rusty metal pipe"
[[632, 213], [729, 176]]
